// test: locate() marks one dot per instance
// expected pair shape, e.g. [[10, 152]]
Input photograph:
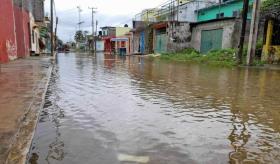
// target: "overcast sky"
[[109, 13]]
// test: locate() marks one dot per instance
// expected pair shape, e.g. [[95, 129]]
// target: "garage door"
[[211, 40]]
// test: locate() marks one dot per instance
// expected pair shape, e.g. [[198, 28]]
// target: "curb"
[[18, 151]]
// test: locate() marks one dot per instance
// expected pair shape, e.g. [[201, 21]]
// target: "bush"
[[225, 57]]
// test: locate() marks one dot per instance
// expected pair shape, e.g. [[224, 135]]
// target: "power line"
[[80, 22]]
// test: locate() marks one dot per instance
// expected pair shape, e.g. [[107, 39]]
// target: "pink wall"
[[8, 47]]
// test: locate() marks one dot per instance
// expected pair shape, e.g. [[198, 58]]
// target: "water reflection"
[[50, 123], [104, 106]]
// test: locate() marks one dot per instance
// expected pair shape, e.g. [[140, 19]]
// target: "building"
[[22, 9], [218, 26], [38, 10], [122, 40], [149, 15], [20, 31], [116, 40], [181, 10], [227, 9], [108, 33], [35, 34], [171, 36], [37, 19], [8, 44], [271, 41], [216, 34], [142, 37]]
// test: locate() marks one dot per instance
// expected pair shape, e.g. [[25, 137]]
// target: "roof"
[[213, 20], [107, 27], [119, 39], [160, 25]]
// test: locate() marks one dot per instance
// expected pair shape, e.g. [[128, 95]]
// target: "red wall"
[[26, 29], [22, 32], [7, 31]]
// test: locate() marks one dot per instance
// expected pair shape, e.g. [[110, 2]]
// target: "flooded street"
[[111, 110]]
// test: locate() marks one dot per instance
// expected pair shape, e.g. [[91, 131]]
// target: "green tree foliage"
[[79, 36], [268, 5]]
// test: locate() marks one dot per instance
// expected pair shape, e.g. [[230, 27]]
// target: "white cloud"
[[109, 12]]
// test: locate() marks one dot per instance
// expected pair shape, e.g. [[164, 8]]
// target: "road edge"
[[23, 139]]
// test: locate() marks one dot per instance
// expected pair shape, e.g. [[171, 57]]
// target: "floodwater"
[[111, 110]]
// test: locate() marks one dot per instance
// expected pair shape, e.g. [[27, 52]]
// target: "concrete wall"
[[8, 46], [179, 36], [38, 10], [187, 11], [228, 8], [108, 31], [35, 34], [22, 27], [149, 15], [136, 42], [121, 31], [230, 33], [100, 45]]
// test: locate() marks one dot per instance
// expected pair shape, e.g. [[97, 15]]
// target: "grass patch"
[[224, 57]]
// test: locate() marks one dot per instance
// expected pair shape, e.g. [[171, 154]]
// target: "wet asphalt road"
[[111, 110]]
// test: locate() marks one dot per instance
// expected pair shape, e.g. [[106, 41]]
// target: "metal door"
[[211, 40], [142, 42], [161, 43]]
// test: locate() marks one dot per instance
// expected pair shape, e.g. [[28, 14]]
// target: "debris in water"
[[131, 158]]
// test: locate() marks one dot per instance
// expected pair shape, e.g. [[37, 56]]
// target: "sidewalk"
[[22, 87]]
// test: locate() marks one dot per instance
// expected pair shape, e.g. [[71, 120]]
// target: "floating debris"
[[131, 158]]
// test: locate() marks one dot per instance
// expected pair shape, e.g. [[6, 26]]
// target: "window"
[[220, 15], [236, 13]]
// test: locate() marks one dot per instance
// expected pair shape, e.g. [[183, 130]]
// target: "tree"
[[270, 5], [79, 36]]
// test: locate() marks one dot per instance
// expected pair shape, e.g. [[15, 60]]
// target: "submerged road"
[[110, 110]]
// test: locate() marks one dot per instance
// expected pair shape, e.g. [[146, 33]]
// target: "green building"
[[229, 8]]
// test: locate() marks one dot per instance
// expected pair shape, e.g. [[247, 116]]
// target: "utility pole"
[[79, 12], [253, 32], [56, 22], [96, 34], [243, 31], [52, 37], [92, 25]]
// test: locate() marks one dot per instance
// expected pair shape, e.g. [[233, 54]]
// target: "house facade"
[[181, 10], [19, 33], [227, 9], [271, 40], [216, 34]]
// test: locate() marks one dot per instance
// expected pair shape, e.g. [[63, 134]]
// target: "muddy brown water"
[[101, 109]]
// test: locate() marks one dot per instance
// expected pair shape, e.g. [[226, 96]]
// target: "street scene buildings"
[[142, 82], [24, 29]]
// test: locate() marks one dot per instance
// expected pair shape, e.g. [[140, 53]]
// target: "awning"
[[119, 39], [160, 25]]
